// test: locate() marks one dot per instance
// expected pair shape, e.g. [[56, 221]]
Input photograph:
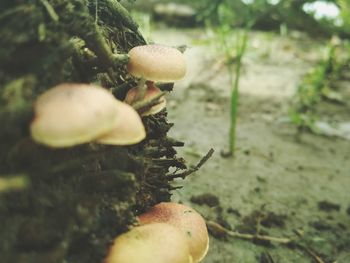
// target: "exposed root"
[[220, 231], [183, 175]]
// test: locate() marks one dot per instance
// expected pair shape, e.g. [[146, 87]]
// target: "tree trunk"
[[77, 199]]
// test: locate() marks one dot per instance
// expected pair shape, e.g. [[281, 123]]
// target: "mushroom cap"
[[184, 218], [128, 129], [70, 114], [156, 243], [150, 93], [157, 63]]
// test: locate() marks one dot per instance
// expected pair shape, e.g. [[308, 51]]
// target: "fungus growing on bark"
[[156, 243], [156, 63], [151, 92], [184, 218], [71, 114], [128, 129]]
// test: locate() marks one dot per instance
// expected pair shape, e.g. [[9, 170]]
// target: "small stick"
[[313, 255], [215, 227], [142, 89], [121, 87], [219, 230], [148, 103], [194, 169], [13, 182], [51, 11]]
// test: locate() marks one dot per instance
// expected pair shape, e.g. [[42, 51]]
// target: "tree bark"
[[77, 199]]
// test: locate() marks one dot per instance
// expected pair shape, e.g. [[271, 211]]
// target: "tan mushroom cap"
[[156, 243], [151, 92], [157, 63], [128, 129], [70, 114], [184, 218]]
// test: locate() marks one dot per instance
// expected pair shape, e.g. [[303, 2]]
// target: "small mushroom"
[[156, 63], [156, 243], [128, 129], [151, 92], [184, 218], [71, 114]]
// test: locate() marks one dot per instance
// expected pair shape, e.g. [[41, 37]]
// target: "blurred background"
[[268, 82]]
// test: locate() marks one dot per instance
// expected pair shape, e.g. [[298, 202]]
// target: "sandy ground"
[[276, 185]]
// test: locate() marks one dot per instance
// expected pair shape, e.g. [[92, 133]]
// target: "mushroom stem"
[[142, 89]]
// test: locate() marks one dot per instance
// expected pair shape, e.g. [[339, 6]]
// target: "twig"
[[13, 182], [313, 255], [183, 175], [204, 159], [174, 162], [50, 10], [219, 230], [172, 142], [124, 16], [266, 257], [122, 87], [139, 106], [215, 227]]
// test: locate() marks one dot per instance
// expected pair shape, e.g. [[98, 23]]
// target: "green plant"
[[234, 50], [277, 14], [233, 55], [345, 13], [318, 85]]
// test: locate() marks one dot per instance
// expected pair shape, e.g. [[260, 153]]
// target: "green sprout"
[[234, 70]]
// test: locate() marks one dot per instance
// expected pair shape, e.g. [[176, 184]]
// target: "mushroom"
[[128, 129], [151, 92], [156, 63], [156, 243], [71, 114], [184, 218]]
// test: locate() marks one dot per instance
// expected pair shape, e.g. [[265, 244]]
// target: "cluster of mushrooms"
[[168, 233], [70, 114]]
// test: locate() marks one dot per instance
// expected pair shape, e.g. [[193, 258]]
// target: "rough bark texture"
[[78, 199]]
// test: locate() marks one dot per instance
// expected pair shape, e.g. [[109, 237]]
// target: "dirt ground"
[[276, 185]]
